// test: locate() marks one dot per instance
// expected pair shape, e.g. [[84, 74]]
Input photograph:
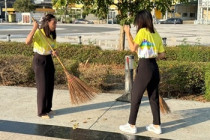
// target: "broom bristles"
[[79, 91], [164, 108]]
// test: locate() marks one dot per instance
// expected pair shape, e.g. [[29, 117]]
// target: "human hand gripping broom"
[[79, 91]]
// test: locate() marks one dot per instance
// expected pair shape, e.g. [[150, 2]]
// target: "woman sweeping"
[[43, 64], [148, 46]]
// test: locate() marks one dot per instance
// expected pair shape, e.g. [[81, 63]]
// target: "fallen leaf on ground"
[[75, 126]]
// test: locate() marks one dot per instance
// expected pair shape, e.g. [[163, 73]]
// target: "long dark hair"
[[47, 18], [143, 19]]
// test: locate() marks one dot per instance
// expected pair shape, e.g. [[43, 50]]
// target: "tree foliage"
[[24, 6], [101, 7]]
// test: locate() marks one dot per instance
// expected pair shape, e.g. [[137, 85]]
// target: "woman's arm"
[[31, 34], [133, 47]]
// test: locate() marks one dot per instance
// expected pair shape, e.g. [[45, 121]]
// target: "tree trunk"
[[65, 12], [122, 39]]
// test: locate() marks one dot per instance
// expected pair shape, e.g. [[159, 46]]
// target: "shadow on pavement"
[[191, 117], [104, 105], [65, 132]]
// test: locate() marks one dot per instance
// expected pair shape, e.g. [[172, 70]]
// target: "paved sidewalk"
[[189, 120]]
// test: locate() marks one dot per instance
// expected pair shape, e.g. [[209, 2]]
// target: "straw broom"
[[79, 91], [164, 108]]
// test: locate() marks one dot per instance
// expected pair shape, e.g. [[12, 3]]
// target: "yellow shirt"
[[40, 44], [150, 44]]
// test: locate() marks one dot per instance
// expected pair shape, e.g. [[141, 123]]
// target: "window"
[[192, 15], [184, 14]]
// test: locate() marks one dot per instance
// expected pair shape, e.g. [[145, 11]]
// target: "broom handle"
[[50, 46]]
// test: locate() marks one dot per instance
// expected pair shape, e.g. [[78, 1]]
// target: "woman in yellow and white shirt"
[[148, 45], [42, 62]]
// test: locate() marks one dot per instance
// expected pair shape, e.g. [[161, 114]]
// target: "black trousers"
[[44, 75], [147, 78]]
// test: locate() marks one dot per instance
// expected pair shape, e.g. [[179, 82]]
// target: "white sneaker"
[[154, 129], [128, 129]]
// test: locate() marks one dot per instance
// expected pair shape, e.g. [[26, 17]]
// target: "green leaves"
[[59, 3], [23, 6], [62, 3], [183, 78], [102, 7]]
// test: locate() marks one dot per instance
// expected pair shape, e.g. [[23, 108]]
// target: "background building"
[[186, 11], [2, 6], [42, 7], [42, 1], [203, 12]]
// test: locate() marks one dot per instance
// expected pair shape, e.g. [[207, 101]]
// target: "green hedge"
[[80, 53], [207, 82], [179, 78], [94, 54], [17, 48], [72, 67], [17, 70], [188, 74], [188, 53]]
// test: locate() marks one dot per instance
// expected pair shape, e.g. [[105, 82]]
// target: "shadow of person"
[[103, 105], [191, 117]]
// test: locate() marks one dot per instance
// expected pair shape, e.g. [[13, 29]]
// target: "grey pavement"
[[189, 120]]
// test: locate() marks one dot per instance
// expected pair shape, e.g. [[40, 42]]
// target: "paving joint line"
[[102, 114]]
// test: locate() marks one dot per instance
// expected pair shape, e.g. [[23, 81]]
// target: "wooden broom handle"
[[50, 46]]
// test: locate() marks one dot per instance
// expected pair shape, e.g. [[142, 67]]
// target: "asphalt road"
[[62, 29], [107, 35]]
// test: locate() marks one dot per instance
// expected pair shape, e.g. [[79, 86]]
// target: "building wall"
[[186, 11], [42, 1], [203, 12], [206, 14]]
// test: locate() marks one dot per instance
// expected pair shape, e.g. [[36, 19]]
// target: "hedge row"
[[188, 53], [177, 78], [17, 70], [207, 82], [181, 78], [94, 54]]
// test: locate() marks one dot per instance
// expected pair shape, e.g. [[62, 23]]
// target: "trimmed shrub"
[[188, 53], [93, 54], [81, 53], [183, 78], [17, 70], [17, 48], [188, 74], [207, 82], [72, 67], [103, 77]]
